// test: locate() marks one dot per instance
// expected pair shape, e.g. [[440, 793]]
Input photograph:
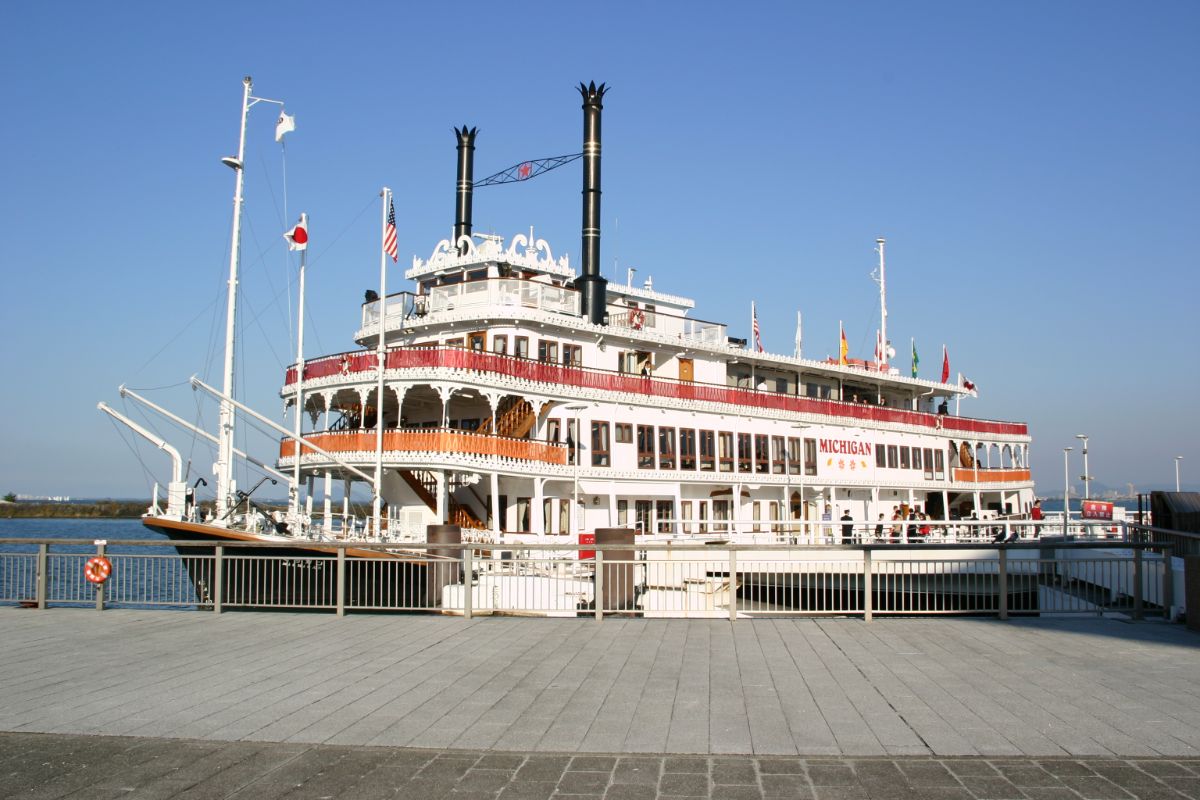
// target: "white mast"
[[381, 354], [883, 338], [294, 489], [224, 465]]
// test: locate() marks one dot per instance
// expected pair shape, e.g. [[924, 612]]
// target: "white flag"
[[799, 336], [286, 124], [297, 237]]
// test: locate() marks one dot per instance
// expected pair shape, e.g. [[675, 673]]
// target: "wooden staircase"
[[514, 418], [424, 485]]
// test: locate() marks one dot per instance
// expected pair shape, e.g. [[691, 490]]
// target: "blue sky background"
[[1033, 166]]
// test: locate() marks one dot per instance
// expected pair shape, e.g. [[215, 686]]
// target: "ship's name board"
[[849, 447]]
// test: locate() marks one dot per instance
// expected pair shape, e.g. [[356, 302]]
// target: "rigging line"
[[147, 474], [283, 226], [173, 339], [158, 388]]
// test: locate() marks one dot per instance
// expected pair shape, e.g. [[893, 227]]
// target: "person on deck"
[[847, 527]]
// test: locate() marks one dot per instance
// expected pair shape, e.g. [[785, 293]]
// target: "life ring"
[[637, 318], [345, 365], [97, 569]]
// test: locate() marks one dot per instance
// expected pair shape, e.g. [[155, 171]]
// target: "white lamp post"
[[1066, 487], [574, 518], [1087, 476], [1177, 460]]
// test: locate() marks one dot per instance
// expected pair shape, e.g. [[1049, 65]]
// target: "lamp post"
[[574, 518], [1087, 476], [1177, 460], [1066, 487]]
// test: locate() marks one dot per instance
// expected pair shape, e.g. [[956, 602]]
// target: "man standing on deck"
[[847, 527]]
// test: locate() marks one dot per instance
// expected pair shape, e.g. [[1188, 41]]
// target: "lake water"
[[157, 580]]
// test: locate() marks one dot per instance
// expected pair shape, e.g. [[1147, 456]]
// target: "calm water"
[[162, 582]]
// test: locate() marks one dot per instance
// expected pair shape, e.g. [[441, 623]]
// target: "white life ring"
[[345, 365], [637, 318]]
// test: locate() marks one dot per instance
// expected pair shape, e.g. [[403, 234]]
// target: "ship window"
[[477, 275], [651, 317], [720, 511], [744, 454], [521, 347], [756, 515], [455, 342], [477, 341], [666, 448], [624, 433], [470, 424], [781, 385], [622, 512], [939, 464], [777, 465], [548, 515], [600, 444], [708, 451], [761, 454], [702, 516], [916, 458], [893, 456], [687, 448], [793, 455], [725, 442], [642, 510], [523, 514], [664, 510], [450, 280], [547, 351], [775, 516], [572, 355], [645, 446], [904, 457], [810, 456], [685, 514], [553, 430], [929, 463], [564, 515], [500, 345]]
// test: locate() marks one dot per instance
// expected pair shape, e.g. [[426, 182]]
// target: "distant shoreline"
[[103, 509]]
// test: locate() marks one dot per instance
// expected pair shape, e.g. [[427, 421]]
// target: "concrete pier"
[[935, 700]]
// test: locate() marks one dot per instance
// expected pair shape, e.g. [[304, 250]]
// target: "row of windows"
[[927, 459], [665, 447], [548, 350]]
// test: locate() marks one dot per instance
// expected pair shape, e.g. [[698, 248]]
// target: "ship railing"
[[434, 356], [714, 576]]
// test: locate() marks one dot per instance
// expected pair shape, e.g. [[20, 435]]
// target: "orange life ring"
[[97, 569], [637, 318]]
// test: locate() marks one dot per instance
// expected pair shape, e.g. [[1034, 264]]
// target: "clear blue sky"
[[1034, 167]]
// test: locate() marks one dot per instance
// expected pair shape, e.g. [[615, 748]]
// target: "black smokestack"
[[593, 289], [466, 177]]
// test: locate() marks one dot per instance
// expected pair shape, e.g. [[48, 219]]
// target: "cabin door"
[[477, 341], [686, 372]]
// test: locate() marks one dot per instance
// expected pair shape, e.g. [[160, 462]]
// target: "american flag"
[[389, 233], [754, 318]]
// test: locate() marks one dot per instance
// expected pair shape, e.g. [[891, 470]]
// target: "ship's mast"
[[224, 465], [883, 338]]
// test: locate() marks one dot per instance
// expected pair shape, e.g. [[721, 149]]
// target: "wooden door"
[[686, 370]]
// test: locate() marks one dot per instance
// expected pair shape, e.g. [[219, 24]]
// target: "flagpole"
[[799, 337], [381, 354], [294, 494], [752, 346], [883, 340]]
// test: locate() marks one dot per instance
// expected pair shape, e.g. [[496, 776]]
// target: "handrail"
[[610, 380], [441, 440]]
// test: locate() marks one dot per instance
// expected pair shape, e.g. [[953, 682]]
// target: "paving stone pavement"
[[75, 766], [125, 703]]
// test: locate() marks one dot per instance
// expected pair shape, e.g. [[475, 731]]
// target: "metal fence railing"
[[718, 579]]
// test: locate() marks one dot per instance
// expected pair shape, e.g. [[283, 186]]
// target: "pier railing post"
[[1002, 581], [732, 583], [43, 577], [1137, 582], [341, 582], [1168, 584], [598, 590], [468, 604], [100, 586], [868, 586], [218, 577]]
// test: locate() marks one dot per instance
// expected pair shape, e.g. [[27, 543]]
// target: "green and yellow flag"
[[915, 361]]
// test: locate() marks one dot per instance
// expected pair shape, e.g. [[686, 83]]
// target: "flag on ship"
[[843, 348], [297, 237], [945, 364], [389, 233], [799, 336], [966, 384], [286, 124], [915, 361], [758, 348]]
